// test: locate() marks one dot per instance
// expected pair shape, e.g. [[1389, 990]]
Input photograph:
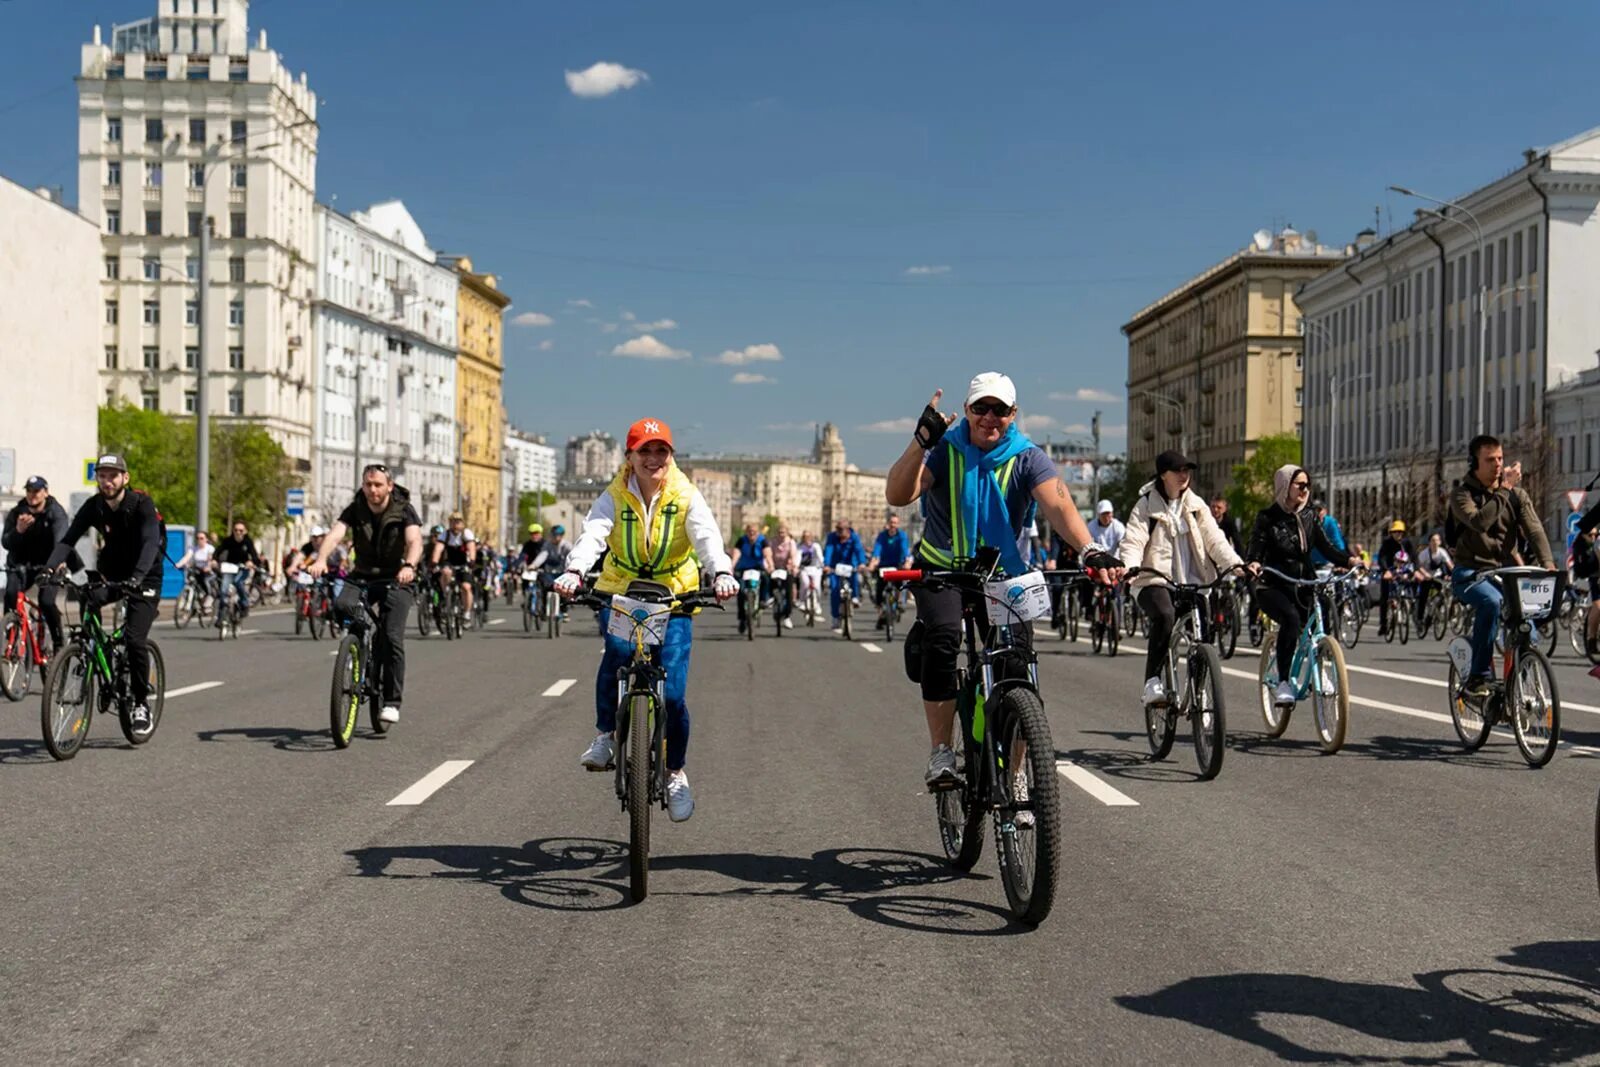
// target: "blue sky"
[[781, 167]]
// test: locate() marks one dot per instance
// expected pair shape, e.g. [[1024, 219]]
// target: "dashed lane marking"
[[560, 687], [1096, 787], [430, 783], [198, 687], [870, 647], [496, 622]]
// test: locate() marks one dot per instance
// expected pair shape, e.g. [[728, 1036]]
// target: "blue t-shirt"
[[1330, 526], [750, 553], [892, 551], [848, 550], [1031, 469]]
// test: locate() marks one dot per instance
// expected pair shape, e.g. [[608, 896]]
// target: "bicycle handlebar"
[[1190, 586], [1327, 579], [602, 601]]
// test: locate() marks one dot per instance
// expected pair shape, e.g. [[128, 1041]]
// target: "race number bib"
[[228, 568], [302, 578], [780, 576], [1017, 600], [843, 570], [751, 577], [1536, 594], [628, 616]]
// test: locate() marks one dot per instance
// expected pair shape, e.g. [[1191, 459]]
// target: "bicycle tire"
[[16, 667], [1471, 724], [527, 615], [553, 623], [638, 778], [1405, 623], [1536, 738], [1257, 631], [1549, 645], [1274, 716], [1021, 711], [1208, 715], [1350, 624], [1072, 619], [155, 700], [1227, 636], [1113, 639], [344, 703], [1441, 616], [750, 612], [299, 618], [1330, 712], [183, 607], [314, 620], [844, 622], [1097, 636], [1161, 723], [72, 663], [375, 693]]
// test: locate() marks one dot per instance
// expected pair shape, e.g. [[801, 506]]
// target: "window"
[[236, 357], [153, 130], [152, 313], [235, 401], [152, 175], [236, 313], [238, 176], [111, 312], [155, 72], [150, 400], [191, 269], [1533, 326], [1516, 328], [1299, 396], [113, 268], [238, 130], [197, 72], [152, 222], [111, 357], [236, 224], [238, 72], [1516, 255], [152, 357], [191, 357], [191, 312], [195, 222], [188, 401], [113, 221], [1500, 278], [197, 131], [114, 172], [197, 175], [1533, 249], [152, 268], [236, 268], [114, 130]]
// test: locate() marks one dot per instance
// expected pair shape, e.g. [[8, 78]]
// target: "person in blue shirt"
[[890, 551], [1330, 526], [844, 546], [752, 553]]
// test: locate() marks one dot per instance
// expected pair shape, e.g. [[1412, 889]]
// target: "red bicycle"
[[23, 650], [311, 606]]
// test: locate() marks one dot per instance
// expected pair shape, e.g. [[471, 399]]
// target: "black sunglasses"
[[1299, 485], [980, 407]]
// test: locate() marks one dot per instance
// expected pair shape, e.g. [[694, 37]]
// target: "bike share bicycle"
[[1318, 672]]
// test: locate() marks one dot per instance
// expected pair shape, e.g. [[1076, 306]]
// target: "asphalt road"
[[240, 891]]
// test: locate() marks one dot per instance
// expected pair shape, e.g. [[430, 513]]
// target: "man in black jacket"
[[130, 554], [240, 550], [33, 528]]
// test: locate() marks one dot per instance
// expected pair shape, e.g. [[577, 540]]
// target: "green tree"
[[1252, 480], [1120, 483], [528, 508]]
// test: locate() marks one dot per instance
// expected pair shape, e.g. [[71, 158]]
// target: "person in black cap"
[[130, 555], [32, 530]]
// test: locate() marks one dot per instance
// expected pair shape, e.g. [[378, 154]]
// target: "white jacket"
[[1151, 539]]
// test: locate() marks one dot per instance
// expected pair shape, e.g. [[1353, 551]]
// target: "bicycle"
[[555, 612], [1318, 671], [1435, 617], [357, 676], [532, 600], [1199, 699], [1225, 619], [196, 600], [1525, 696], [782, 600], [811, 594], [480, 601], [227, 602], [24, 650], [1402, 603], [750, 601], [842, 575], [308, 605], [894, 608], [91, 673], [641, 616], [1103, 614], [1005, 758]]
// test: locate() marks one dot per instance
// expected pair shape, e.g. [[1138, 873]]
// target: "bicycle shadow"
[[579, 874], [1385, 748], [1542, 1007], [283, 738], [1129, 764], [24, 751]]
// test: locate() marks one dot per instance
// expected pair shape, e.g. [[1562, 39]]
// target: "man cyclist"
[[1107, 532], [131, 553], [980, 481], [457, 550], [1226, 522], [890, 549], [240, 550], [33, 529], [551, 563], [1397, 561], [388, 546], [754, 554], [844, 547], [1489, 514], [1335, 536]]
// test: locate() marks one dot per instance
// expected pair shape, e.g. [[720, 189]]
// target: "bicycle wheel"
[[1534, 707], [301, 607], [1547, 638], [425, 614], [155, 700], [183, 607], [1228, 635], [1030, 855], [69, 702], [16, 669], [1330, 695], [344, 703], [527, 615], [1207, 711], [1274, 716], [375, 692], [1160, 721], [1405, 622], [1257, 629], [314, 621], [638, 778], [553, 621], [1072, 618], [1472, 725], [844, 617], [961, 820], [750, 616], [1441, 616], [1113, 639], [1349, 624], [1097, 636]]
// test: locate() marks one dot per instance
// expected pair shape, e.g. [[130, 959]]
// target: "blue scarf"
[[984, 517]]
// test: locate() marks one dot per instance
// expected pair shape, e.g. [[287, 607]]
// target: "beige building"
[[717, 488], [480, 413], [1215, 365]]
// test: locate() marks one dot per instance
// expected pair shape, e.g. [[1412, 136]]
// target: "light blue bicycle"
[[1318, 671]]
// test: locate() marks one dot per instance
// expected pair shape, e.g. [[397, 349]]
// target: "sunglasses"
[[1299, 485], [981, 407]]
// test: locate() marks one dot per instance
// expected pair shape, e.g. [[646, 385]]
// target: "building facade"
[[1572, 414], [385, 338], [594, 455], [717, 488], [533, 462], [480, 368], [1214, 365], [50, 342], [1408, 370], [183, 125]]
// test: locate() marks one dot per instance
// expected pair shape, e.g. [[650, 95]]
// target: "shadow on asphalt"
[[1541, 1007], [25, 750], [1491, 756], [1132, 763], [285, 738], [579, 874]]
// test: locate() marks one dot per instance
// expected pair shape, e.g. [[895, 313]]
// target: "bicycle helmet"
[[317, 531], [1397, 527], [438, 531], [536, 528], [558, 530]]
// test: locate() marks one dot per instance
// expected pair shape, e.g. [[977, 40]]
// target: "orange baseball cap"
[[644, 431]]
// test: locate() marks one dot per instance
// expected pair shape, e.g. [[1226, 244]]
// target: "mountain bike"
[[1103, 613], [532, 600], [1192, 676], [227, 602], [91, 673], [26, 642], [357, 673], [1005, 758], [641, 616], [1318, 671], [1064, 612], [196, 600], [310, 601], [750, 601], [1225, 618], [842, 575], [1525, 695]]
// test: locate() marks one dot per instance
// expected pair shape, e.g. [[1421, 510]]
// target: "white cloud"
[[789, 427], [1119, 430], [1075, 427], [627, 316], [651, 327], [546, 345], [924, 270], [608, 327], [739, 357], [905, 425], [746, 378], [648, 347], [532, 318], [1097, 396], [603, 79], [1038, 422], [580, 303]]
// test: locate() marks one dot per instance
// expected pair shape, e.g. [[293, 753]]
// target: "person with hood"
[[1285, 538], [1172, 538], [388, 549], [32, 529]]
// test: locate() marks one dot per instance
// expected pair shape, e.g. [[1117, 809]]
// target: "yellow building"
[[480, 411]]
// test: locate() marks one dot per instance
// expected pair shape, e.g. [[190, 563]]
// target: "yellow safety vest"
[[663, 553]]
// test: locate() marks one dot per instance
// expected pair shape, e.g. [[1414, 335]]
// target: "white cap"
[[317, 531], [992, 383], [1103, 507]]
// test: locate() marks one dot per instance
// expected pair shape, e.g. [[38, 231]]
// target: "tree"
[[1252, 488], [529, 505], [1121, 483]]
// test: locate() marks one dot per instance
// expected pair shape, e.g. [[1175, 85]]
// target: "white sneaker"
[[942, 773], [788, 624], [1286, 693], [836, 626], [680, 802], [139, 719], [600, 754], [389, 714], [1019, 793], [1155, 691]]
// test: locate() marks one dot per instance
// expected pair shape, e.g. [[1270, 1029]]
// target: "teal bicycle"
[[1318, 672], [90, 673]]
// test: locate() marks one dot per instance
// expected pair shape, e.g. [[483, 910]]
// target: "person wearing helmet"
[[551, 561], [1397, 560], [453, 557], [307, 552], [1107, 532]]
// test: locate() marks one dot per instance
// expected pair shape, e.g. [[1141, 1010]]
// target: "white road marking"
[[870, 647], [430, 783], [246, 633], [198, 687], [1102, 791], [560, 687], [1440, 683], [496, 622]]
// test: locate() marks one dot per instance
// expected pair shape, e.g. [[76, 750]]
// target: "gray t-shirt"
[[1030, 469]]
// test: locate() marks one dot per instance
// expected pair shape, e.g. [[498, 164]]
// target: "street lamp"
[[1152, 398]]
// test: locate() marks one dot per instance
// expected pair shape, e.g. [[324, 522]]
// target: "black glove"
[[1099, 559], [930, 428]]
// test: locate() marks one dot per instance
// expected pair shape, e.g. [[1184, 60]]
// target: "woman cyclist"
[[653, 523]]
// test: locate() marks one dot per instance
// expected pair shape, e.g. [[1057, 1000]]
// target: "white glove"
[[567, 585], [726, 588]]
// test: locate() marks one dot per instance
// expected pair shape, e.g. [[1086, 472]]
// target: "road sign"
[[295, 502], [88, 472], [1572, 529], [1575, 498]]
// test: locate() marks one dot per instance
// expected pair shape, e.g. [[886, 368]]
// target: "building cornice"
[[1239, 263]]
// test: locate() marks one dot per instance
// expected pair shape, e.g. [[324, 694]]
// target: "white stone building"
[[594, 455], [49, 344], [531, 461], [1398, 327], [385, 304], [181, 122]]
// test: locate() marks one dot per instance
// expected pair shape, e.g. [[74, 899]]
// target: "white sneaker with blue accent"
[[680, 801]]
